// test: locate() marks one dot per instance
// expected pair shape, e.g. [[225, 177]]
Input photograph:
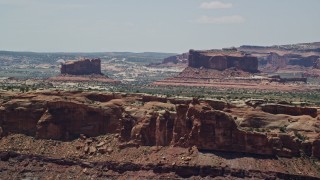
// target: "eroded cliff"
[[152, 121], [222, 59], [106, 134]]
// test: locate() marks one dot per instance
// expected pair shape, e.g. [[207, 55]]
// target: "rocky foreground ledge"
[[83, 134]]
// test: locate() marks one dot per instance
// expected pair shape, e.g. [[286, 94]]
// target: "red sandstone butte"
[[221, 60], [84, 70], [82, 67]]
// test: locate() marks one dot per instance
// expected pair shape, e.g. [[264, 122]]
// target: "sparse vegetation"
[[300, 136], [283, 129]]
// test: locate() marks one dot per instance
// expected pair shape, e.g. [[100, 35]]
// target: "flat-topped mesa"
[[223, 59], [82, 67]]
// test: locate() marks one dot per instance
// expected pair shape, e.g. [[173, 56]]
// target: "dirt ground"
[[24, 157]]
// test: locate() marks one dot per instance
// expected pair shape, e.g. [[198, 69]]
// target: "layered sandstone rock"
[[154, 129], [58, 117], [280, 61], [215, 130], [290, 110], [208, 129], [292, 57], [21, 116], [84, 70], [64, 120], [143, 120], [82, 67], [303, 61], [231, 68], [221, 60], [275, 61]]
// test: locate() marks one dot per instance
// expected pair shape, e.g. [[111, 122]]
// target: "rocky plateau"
[[303, 57], [100, 135], [230, 68]]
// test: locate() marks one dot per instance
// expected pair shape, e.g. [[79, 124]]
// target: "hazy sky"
[[154, 25]]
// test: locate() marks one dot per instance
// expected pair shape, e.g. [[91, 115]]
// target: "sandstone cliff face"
[[152, 121], [275, 61], [68, 120], [298, 60], [82, 67], [278, 57], [58, 118], [21, 116], [221, 60], [208, 129]]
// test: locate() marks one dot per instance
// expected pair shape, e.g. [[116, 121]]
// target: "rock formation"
[[294, 57], [314, 72], [270, 58], [82, 67], [182, 58], [231, 68], [84, 70], [208, 125], [276, 61], [60, 118], [290, 110], [221, 60], [208, 129]]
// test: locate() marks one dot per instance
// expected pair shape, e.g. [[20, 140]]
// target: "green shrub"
[[300, 136], [283, 129]]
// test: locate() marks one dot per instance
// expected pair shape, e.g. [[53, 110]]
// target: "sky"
[[154, 25]]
